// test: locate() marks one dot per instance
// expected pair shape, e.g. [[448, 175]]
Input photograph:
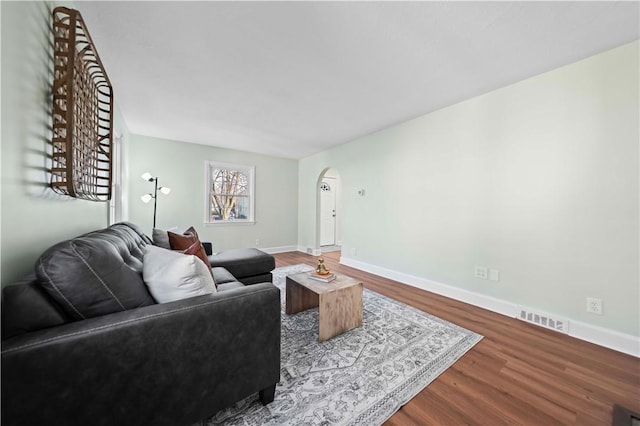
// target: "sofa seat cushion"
[[255, 279], [222, 276], [224, 279], [229, 286], [97, 273], [243, 262]]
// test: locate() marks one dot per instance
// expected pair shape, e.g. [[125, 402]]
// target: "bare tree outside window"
[[230, 193], [228, 187]]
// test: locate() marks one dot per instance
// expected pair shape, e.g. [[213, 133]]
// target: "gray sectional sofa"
[[84, 343]]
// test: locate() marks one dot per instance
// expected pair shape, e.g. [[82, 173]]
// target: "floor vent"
[[544, 320]]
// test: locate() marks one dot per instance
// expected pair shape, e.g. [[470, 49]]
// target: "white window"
[[229, 193]]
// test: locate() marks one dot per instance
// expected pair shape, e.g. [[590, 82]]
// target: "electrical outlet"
[[494, 275], [594, 305], [481, 272], [257, 242], [354, 252]]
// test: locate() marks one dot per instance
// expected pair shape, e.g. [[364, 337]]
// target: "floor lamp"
[[148, 197]]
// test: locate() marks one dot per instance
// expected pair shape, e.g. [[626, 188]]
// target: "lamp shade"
[[165, 190], [146, 198], [147, 176]]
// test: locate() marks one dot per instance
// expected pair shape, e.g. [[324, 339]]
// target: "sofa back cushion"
[[97, 273], [27, 307]]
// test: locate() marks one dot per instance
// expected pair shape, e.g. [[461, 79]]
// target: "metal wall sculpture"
[[82, 112]]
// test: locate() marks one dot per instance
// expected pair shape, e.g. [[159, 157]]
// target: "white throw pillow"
[[171, 275]]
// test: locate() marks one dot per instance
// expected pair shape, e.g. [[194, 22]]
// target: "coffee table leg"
[[339, 311], [299, 298]]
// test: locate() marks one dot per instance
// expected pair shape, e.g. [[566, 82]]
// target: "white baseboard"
[[600, 336], [611, 339], [274, 250]]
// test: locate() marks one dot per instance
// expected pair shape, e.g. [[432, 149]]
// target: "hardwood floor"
[[518, 374]]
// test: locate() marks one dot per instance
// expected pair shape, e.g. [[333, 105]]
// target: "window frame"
[[116, 201], [209, 166]]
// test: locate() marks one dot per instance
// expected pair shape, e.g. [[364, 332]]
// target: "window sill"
[[230, 223]]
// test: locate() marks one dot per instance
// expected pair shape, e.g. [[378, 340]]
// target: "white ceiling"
[[291, 79]]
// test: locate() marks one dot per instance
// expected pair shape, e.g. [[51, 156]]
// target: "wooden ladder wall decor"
[[82, 112]]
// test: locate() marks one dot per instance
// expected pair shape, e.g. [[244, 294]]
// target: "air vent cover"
[[543, 319]]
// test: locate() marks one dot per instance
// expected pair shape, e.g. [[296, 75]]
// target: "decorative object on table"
[[325, 278], [321, 269], [82, 113], [360, 377], [148, 197]]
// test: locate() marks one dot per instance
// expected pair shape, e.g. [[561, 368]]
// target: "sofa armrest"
[[173, 363]]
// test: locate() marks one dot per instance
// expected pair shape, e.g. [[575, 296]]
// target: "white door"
[[328, 211]]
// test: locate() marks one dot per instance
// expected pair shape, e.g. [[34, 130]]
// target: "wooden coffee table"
[[339, 302]]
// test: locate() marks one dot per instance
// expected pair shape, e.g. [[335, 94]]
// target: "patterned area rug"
[[360, 377]]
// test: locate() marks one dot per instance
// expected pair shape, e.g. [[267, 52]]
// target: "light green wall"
[[180, 166], [33, 217], [538, 179]]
